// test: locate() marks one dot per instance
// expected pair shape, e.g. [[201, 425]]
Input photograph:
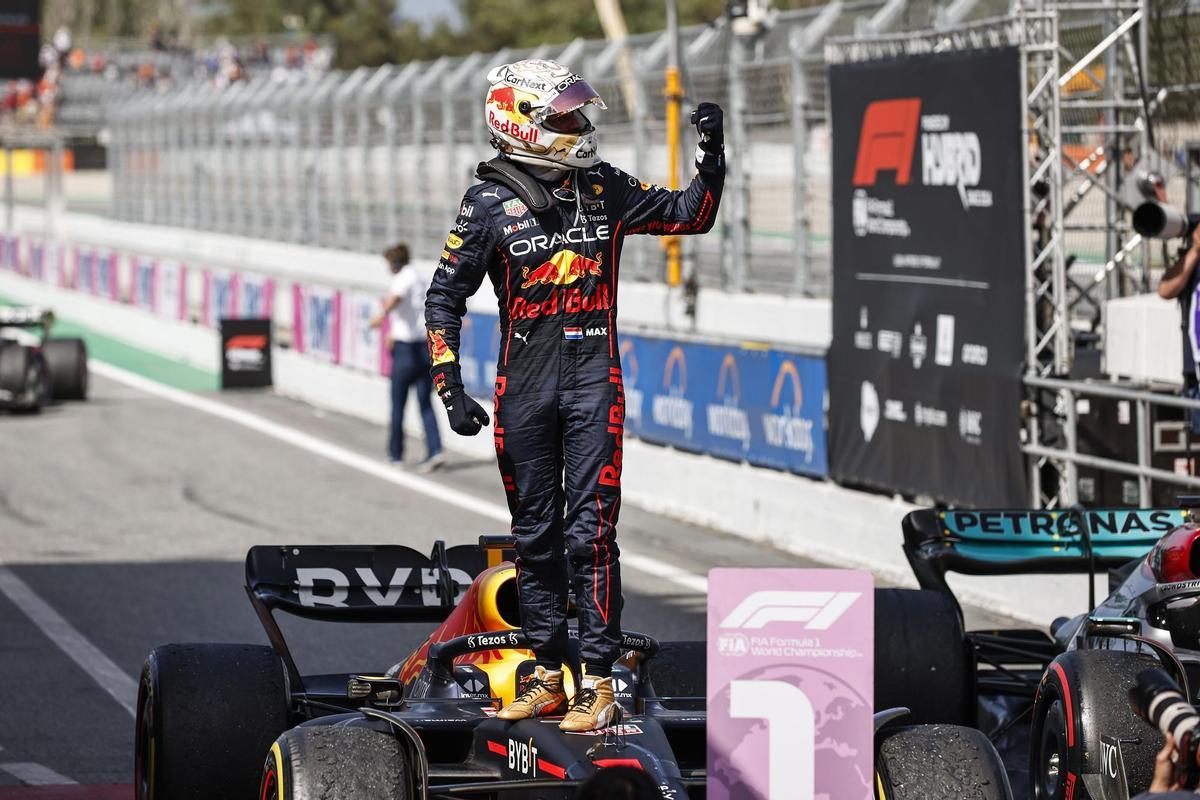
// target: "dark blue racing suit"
[[559, 402]]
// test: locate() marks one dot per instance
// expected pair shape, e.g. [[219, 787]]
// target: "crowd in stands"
[[161, 64]]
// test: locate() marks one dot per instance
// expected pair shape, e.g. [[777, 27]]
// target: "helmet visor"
[[572, 122], [577, 95]]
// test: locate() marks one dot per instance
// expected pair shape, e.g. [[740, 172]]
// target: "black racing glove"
[[710, 124], [466, 416]]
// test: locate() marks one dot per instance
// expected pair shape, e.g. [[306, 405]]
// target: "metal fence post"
[[451, 92], [392, 186], [366, 237], [420, 186], [256, 116], [1143, 453], [1069, 494], [339, 154], [737, 199], [800, 258]]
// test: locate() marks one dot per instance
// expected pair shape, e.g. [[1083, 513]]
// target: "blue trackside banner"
[[737, 402]]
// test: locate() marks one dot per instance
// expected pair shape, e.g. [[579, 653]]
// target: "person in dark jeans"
[[404, 308]]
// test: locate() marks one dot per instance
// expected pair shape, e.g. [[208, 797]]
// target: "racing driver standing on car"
[[546, 224]]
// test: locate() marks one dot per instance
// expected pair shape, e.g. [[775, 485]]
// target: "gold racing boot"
[[593, 708], [542, 696]]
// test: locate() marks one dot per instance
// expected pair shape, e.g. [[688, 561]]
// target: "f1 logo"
[[887, 141], [818, 609]]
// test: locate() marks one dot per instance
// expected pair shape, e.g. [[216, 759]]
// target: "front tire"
[[939, 762], [206, 715], [66, 361], [24, 378], [315, 762]]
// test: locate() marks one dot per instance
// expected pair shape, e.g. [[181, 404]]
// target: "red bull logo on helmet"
[[562, 268], [508, 100]]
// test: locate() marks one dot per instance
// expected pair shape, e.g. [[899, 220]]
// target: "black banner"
[[928, 276], [20, 39], [245, 353]]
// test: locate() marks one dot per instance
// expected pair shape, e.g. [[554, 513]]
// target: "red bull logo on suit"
[[564, 267], [570, 301]]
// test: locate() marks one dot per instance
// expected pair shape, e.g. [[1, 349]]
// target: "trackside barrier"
[[815, 519], [745, 402]]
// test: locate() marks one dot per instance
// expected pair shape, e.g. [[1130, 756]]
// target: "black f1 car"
[[37, 369], [1056, 702], [226, 721]]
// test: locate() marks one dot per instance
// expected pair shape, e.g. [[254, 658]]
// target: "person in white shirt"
[[404, 308]]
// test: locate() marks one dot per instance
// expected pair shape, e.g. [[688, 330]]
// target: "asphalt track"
[[124, 522]]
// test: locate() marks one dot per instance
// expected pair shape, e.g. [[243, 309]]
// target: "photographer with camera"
[[1181, 281], [1156, 698], [1164, 787]]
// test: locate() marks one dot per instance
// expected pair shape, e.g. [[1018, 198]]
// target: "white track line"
[[99, 666], [440, 492], [36, 775]]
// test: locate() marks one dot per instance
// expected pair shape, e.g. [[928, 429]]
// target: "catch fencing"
[[357, 160]]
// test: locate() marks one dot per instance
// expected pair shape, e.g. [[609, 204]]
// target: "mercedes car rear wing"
[[1010, 541], [362, 583], [25, 317]]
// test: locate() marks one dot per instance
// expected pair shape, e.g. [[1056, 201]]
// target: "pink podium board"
[[790, 684]]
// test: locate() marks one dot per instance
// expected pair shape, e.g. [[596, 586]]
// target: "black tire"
[[939, 762], [23, 376], [1082, 696], [923, 659], [316, 762], [206, 715], [680, 669], [66, 360]]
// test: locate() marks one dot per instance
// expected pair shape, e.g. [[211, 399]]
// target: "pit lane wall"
[[742, 423]]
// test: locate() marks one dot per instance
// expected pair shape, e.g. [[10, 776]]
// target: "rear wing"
[[362, 583], [25, 317], [1010, 542]]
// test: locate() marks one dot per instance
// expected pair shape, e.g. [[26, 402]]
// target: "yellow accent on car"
[[277, 754]]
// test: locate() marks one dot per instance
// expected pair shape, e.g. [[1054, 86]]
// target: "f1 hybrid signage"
[[928, 276], [790, 684]]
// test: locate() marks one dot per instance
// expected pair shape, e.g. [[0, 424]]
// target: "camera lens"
[[1156, 698]]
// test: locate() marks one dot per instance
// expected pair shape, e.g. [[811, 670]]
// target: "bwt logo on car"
[[338, 586], [888, 142]]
